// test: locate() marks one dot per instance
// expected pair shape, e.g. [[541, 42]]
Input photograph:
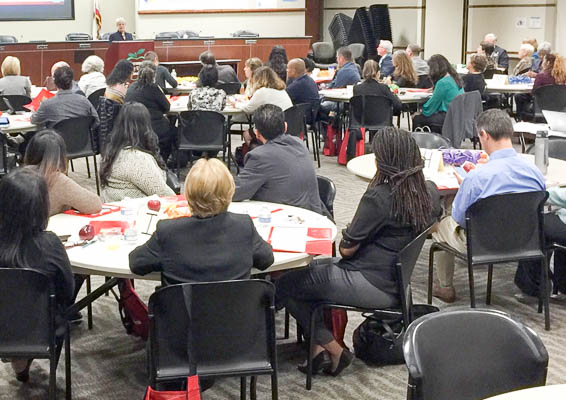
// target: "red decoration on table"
[[99, 225], [35, 103], [106, 209]]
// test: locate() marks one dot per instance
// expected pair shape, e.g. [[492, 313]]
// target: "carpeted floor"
[[108, 364]]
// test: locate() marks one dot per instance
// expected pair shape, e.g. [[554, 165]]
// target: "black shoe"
[[346, 359], [76, 318], [23, 376], [319, 363]]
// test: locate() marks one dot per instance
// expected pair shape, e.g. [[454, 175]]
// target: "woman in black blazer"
[[211, 245], [370, 86], [146, 92]]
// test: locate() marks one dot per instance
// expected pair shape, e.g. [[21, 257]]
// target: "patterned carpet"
[[108, 364]]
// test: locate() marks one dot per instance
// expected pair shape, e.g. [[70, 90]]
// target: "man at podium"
[[121, 34]]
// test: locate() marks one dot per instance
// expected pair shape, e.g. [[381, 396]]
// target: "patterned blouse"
[[207, 98]]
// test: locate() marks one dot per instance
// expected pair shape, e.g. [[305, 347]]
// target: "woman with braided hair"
[[396, 207]]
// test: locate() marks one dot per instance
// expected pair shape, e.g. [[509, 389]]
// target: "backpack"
[[379, 342], [133, 311]]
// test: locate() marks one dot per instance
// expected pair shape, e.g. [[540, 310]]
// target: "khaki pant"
[[451, 233]]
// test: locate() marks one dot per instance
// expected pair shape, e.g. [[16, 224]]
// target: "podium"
[[131, 50]]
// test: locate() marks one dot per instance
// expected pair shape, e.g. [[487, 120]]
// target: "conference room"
[[294, 199]]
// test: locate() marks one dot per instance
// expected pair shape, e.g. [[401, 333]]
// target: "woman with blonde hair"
[[211, 245], [251, 65], [12, 83], [267, 88], [93, 78], [404, 74]]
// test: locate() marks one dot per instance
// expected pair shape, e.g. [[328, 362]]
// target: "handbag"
[[191, 393], [133, 311]]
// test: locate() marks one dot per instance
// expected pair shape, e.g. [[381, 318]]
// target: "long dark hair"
[[121, 73], [131, 129], [399, 164], [24, 211], [48, 153], [439, 67], [278, 61]]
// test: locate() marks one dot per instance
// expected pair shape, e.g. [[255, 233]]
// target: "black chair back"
[[471, 355], [107, 111], [215, 328], [8, 39], [167, 35], [327, 192], [556, 148], [202, 131], [14, 102], [424, 82], [427, 140], [95, 96], [488, 73], [78, 136], [77, 36], [551, 98], [295, 119], [230, 87], [506, 227], [371, 112]]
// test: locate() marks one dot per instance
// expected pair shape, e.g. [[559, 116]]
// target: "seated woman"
[[396, 207], [93, 78], [525, 59], [251, 65], [474, 80], [24, 243], [109, 106], [211, 245], [207, 97], [278, 61], [447, 85], [404, 74], [47, 154], [146, 92], [131, 166], [371, 86], [12, 83]]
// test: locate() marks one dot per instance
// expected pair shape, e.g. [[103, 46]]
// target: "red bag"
[[133, 311], [336, 321], [192, 392], [332, 141], [360, 147]]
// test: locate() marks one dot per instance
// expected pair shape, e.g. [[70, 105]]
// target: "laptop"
[[556, 120]]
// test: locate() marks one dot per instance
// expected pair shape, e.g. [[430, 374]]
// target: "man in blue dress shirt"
[[505, 172], [384, 50]]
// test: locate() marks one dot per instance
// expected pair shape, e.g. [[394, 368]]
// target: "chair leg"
[[299, 334], [89, 307], [286, 334], [53, 376], [545, 293], [87, 167], [471, 281], [309, 350], [68, 395], [430, 272], [72, 166], [489, 278], [316, 147], [274, 386], [243, 388], [253, 388], [96, 178]]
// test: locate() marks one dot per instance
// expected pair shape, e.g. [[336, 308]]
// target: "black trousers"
[[434, 121], [527, 277]]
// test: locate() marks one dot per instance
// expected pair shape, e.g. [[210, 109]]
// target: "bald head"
[[296, 68], [58, 64]]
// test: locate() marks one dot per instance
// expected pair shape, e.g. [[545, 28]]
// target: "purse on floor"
[[191, 393]]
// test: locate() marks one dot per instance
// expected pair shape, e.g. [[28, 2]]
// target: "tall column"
[[443, 33]]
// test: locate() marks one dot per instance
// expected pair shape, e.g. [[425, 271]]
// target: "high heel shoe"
[[346, 359], [23, 376], [319, 363]]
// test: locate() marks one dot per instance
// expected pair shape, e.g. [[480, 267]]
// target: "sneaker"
[[446, 294]]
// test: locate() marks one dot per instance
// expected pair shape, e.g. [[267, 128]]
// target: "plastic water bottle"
[[264, 216], [130, 233], [174, 73], [541, 151]]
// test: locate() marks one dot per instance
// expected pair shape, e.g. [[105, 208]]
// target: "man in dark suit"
[[162, 74], [121, 34], [281, 170], [384, 50], [499, 54], [301, 87]]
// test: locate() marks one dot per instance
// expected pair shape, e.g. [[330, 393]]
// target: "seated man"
[[420, 65], [162, 74], [226, 73], [65, 104], [348, 72], [505, 172], [300, 87], [281, 170], [499, 55], [384, 50], [50, 85]]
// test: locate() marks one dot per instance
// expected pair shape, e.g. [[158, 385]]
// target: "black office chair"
[[550, 98], [424, 82], [8, 39], [77, 36], [357, 50], [500, 229], [27, 317], [471, 355], [556, 148], [213, 329], [296, 119], [167, 36], [95, 96], [426, 140], [7, 160], [106, 36], [13, 103], [79, 140], [186, 34], [202, 131], [327, 192], [230, 87], [324, 55], [406, 261], [370, 112]]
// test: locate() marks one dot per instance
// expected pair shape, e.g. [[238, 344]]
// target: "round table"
[[364, 167], [344, 95], [551, 392], [98, 259], [496, 87], [19, 122]]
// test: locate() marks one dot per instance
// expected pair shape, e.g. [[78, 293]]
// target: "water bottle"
[[541, 151], [264, 216], [130, 233], [174, 73]]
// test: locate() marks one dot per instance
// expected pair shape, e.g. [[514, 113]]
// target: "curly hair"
[[146, 74]]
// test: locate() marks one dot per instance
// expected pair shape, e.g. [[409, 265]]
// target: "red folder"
[[35, 103], [106, 209]]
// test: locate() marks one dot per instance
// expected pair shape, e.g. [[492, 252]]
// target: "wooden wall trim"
[[390, 7], [509, 5], [235, 11]]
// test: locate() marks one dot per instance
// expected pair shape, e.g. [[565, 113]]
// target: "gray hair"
[[545, 47], [496, 123], [146, 74], [415, 49], [92, 64], [387, 45], [120, 20], [528, 48], [491, 37]]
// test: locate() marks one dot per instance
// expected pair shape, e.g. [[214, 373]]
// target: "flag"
[[97, 21]]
